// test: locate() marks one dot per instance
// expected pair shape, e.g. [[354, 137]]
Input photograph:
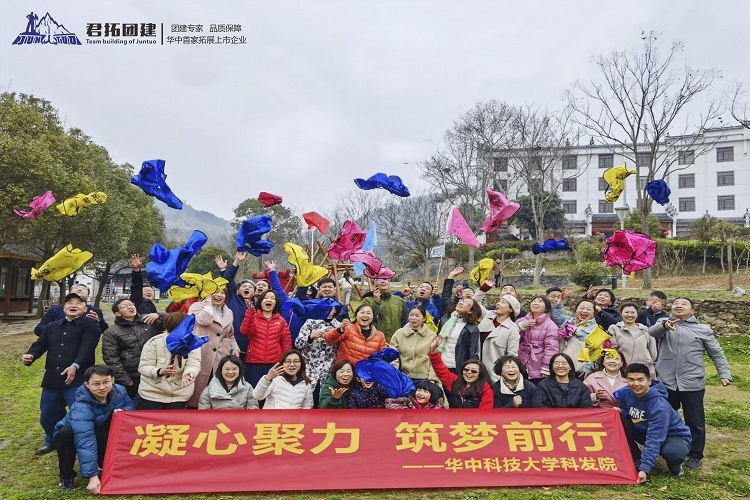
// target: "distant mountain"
[[181, 223]]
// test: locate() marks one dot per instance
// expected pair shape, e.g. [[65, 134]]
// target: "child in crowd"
[[369, 395], [427, 396]]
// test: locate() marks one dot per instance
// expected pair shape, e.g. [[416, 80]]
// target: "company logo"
[[45, 31]]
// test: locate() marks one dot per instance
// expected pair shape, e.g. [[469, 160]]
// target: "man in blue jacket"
[[85, 429], [55, 313], [650, 420]]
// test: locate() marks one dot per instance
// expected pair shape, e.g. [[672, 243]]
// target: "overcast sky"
[[326, 91]]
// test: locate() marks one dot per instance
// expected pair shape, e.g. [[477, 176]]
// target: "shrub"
[[587, 252], [589, 273]]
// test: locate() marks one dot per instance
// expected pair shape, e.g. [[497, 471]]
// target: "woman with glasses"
[[470, 388], [562, 389], [286, 385]]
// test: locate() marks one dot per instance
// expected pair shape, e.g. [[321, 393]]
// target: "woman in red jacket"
[[268, 336], [470, 388]]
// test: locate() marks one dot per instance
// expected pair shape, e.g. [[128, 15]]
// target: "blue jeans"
[[52, 408]]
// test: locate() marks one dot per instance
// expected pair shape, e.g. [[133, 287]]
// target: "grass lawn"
[[726, 471]]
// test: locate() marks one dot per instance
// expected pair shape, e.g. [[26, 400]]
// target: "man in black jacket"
[[123, 342], [70, 344], [654, 310], [56, 313]]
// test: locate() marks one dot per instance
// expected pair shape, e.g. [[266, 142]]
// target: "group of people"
[[268, 350]]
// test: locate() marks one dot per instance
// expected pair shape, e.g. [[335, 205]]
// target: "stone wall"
[[725, 317]]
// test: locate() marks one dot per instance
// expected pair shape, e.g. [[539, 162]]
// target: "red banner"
[[151, 452]]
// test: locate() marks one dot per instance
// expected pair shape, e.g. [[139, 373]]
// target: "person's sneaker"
[[679, 474], [43, 450], [694, 463], [67, 484]]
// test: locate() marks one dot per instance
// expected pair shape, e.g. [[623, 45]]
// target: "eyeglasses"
[[471, 370], [292, 362]]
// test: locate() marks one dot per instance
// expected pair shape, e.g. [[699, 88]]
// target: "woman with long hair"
[[228, 389], [608, 379], [459, 334], [213, 319], [268, 336], [286, 386]]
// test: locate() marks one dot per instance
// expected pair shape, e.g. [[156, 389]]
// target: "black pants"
[[145, 404], [695, 417], [64, 443]]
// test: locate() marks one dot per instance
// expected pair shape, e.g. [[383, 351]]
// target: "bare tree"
[[357, 205], [540, 141], [414, 223], [641, 110], [739, 104], [460, 171]]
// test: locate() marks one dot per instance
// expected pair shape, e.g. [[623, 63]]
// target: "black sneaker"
[[679, 473], [67, 484], [43, 450], [694, 463]]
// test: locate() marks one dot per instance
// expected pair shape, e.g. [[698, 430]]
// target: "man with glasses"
[[85, 429]]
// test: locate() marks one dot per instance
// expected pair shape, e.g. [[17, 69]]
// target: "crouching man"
[[85, 428], [650, 420]]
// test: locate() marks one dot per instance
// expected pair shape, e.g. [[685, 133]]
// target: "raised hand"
[[271, 265], [376, 295], [275, 371], [490, 282], [221, 263], [344, 325], [458, 270], [564, 295], [239, 257], [591, 291], [135, 262], [436, 343]]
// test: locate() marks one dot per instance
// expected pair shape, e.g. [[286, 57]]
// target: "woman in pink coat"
[[608, 379], [213, 319], [539, 339]]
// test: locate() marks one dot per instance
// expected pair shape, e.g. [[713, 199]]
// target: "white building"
[[717, 182]]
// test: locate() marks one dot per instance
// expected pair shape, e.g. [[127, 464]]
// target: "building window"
[[687, 204], [500, 164], [726, 202], [643, 160], [570, 184], [570, 206], [725, 154], [725, 178], [606, 161], [686, 181], [502, 185], [686, 158], [606, 207], [22, 282], [603, 184], [570, 162]]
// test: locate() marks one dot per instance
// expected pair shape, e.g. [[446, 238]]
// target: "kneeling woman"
[[470, 388], [513, 389], [562, 389], [286, 386], [228, 390]]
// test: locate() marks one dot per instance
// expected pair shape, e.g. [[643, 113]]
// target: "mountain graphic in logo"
[[45, 31]]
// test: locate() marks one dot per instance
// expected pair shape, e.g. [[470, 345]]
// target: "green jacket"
[[326, 400], [390, 314]]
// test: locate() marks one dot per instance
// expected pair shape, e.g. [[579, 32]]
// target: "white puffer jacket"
[[281, 395]]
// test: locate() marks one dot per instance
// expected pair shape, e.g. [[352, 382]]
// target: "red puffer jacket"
[[268, 338]]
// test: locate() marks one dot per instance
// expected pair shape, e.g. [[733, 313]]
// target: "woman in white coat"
[[502, 334], [286, 386]]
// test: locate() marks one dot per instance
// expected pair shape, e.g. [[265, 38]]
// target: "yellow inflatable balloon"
[[615, 177], [196, 286], [307, 274], [482, 272], [62, 264], [73, 206]]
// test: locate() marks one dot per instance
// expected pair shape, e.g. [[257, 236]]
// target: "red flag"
[[349, 241], [268, 199], [501, 209], [317, 221]]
